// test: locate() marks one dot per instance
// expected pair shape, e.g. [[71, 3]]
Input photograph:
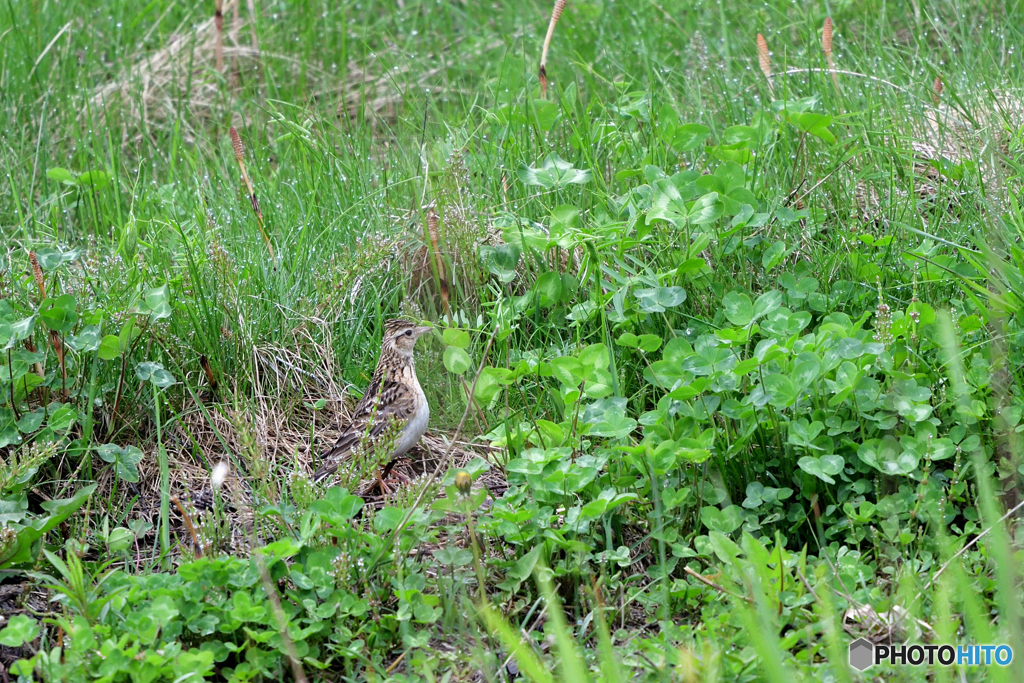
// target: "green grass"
[[356, 118]]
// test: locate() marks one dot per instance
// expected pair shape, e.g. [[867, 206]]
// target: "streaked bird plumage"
[[393, 399]]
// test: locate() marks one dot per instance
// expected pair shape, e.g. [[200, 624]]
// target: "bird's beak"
[[420, 331]]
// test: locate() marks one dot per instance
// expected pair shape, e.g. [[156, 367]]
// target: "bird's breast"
[[416, 426], [414, 429]]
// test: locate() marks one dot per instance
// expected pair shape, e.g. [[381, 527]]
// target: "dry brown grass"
[[181, 84], [979, 133], [265, 444]]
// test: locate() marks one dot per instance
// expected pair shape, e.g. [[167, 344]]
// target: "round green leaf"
[[738, 308], [453, 336], [766, 303], [110, 347], [823, 468], [387, 519], [120, 539], [456, 360], [155, 304], [783, 390], [725, 521], [501, 261], [548, 288], [6, 333], [61, 175], [488, 386], [658, 299], [88, 340], [30, 422], [564, 217], [155, 373], [95, 179], [8, 428], [648, 343], [629, 340], [59, 314], [554, 172], [51, 257], [62, 419], [20, 629], [125, 460], [773, 255], [689, 136]]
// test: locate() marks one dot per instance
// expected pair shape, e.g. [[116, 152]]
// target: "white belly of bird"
[[416, 426]]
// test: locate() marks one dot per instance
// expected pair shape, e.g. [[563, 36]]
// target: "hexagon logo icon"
[[862, 654]]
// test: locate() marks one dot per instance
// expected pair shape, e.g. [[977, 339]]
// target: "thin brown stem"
[[542, 72], [188, 524], [218, 22], [439, 273], [236, 144]]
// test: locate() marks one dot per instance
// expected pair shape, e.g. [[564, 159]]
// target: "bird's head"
[[401, 335]]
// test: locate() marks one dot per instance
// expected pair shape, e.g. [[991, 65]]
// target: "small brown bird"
[[394, 400]]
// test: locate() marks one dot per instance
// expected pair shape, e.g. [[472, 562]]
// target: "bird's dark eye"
[[408, 333]]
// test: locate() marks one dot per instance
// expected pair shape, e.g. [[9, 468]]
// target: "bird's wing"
[[384, 404]]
